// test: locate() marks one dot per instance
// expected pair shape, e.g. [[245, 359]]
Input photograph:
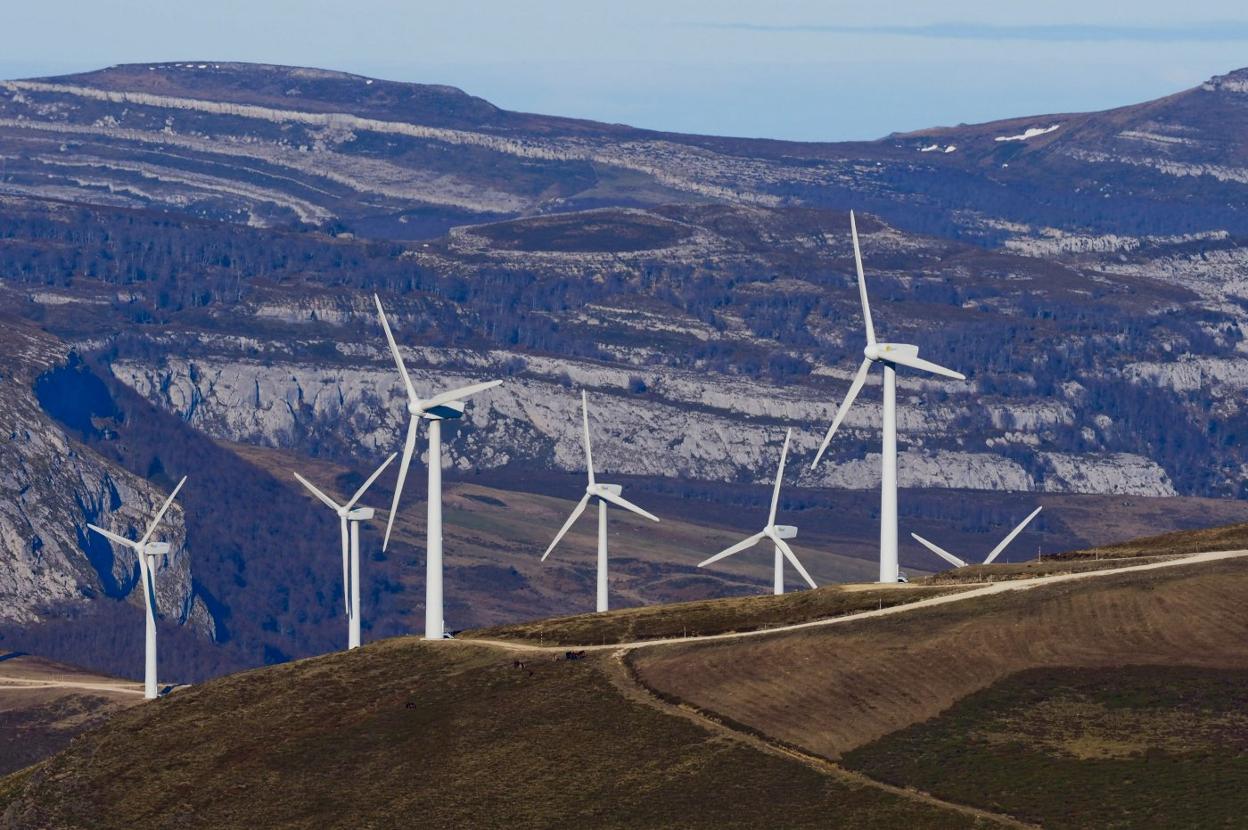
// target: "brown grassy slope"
[[714, 616], [35, 722], [1125, 747], [405, 733], [830, 690], [1226, 537], [1067, 563]]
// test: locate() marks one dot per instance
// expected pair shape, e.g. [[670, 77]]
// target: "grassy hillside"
[[862, 680], [405, 733], [695, 619], [1125, 747], [38, 718], [736, 732], [1226, 537]]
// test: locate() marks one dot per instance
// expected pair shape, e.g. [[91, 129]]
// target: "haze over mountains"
[[206, 236]]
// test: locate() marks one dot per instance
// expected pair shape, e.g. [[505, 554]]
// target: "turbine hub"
[[872, 351], [415, 407]]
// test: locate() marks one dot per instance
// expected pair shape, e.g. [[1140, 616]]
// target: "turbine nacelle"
[[361, 514], [436, 411], [781, 532], [598, 489], [156, 549], [889, 351]]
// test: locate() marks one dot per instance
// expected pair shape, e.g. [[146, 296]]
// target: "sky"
[[794, 69]]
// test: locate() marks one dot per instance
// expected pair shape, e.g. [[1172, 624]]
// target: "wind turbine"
[[776, 533], [960, 563], [350, 515], [147, 553], [605, 493], [890, 356], [442, 407]]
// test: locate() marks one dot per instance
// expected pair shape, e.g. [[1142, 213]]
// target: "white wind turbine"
[[960, 563], [147, 553], [349, 518], [442, 407], [776, 533], [890, 356], [604, 493]]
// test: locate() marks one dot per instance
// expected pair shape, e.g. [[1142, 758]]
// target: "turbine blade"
[[737, 548], [113, 537], [939, 551], [923, 365], [164, 507], [854, 389], [394, 350], [460, 394], [620, 501], [408, 448], [369, 481], [862, 281], [789, 555], [326, 499], [576, 514], [589, 456], [775, 493], [149, 583], [346, 573], [1006, 541]]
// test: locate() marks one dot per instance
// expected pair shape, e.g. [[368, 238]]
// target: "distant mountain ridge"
[[336, 150]]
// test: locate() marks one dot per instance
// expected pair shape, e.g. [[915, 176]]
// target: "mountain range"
[[187, 254]]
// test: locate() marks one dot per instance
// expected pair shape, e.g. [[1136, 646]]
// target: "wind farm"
[[148, 554], [889, 356], [778, 534], [272, 294], [440, 407], [350, 517], [605, 494]]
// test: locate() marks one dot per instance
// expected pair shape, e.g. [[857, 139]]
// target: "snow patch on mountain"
[[1031, 132]]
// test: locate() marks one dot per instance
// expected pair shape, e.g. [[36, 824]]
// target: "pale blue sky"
[[783, 69]]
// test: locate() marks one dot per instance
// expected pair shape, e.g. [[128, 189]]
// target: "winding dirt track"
[[623, 678], [789, 743], [987, 589], [19, 684]]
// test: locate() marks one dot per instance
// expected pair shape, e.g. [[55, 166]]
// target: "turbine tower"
[[442, 407], [889, 356], [961, 563], [776, 533], [147, 553], [350, 515], [605, 493]]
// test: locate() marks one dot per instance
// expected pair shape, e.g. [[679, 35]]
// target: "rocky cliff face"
[[52, 488], [695, 428]]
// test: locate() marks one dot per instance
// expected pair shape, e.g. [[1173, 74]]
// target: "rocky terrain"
[[203, 240], [52, 487]]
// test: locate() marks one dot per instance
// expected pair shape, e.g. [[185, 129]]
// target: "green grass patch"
[[1134, 747]]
